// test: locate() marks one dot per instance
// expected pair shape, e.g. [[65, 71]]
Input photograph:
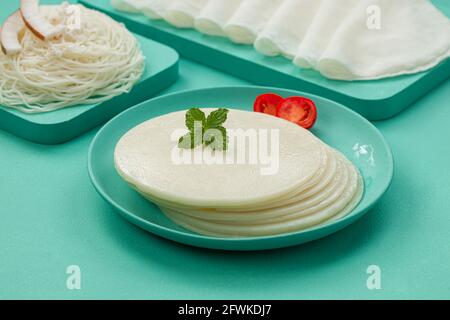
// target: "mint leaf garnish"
[[208, 131], [216, 138], [216, 118], [188, 141], [195, 115]]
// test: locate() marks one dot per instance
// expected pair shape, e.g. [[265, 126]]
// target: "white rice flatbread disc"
[[287, 28], [413, 36], [126, 5], [213, 18], [315, 185], [182, 13], [353, 203], [338, 192], [343, 40], [156, 9], [241, 229], [259, 215], [329, 17], [292, 223], [250, 19], [144, 158], [325, 180]]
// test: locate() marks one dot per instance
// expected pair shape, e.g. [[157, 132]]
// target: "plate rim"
[[161, 230]]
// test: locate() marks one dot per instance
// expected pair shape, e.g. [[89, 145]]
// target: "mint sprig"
[[216, 118], [208, 131], [216, 138], [195, 115]]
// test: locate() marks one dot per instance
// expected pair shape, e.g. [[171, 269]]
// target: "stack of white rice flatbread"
[[310, 184], [345, 39]]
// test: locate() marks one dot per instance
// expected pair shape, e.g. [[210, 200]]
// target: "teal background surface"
[[51, 218]]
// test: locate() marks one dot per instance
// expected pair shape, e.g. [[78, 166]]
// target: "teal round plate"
[[338, 126]]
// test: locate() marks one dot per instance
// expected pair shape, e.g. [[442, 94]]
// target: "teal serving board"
[[375, 100], [59, 126]]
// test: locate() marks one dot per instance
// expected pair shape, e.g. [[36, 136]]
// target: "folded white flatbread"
[[287, 28], [156, 9], [250, 19], [345, 39], [412, 36], [214, 17], [322, 30], [127, 5], [182, 13]]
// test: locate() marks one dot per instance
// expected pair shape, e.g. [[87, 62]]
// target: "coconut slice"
[[9, 34], [36, 22]]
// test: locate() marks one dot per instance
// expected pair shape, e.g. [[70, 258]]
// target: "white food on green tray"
[[321, 31], [344, 40], [156, 9], [182, 13], [287, 28], [133, 6], [414, 36], [314, 183], [9, 34], [250, 20], [91, 60], [214, 17], [36, 22]]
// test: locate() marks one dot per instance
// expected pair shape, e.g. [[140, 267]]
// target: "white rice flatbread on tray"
[[343, 40]]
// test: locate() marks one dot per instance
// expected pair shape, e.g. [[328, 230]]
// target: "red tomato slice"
[[267, 103], [299, 110]]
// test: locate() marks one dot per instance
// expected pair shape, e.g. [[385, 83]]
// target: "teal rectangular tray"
[[375, 100], [59, 126]]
